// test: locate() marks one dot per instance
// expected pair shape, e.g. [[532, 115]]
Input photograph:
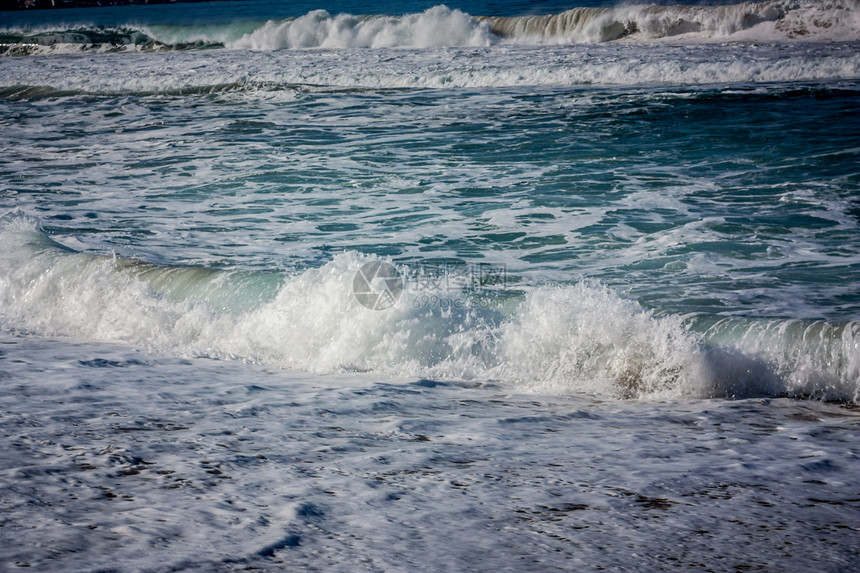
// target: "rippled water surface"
[[465, 288]]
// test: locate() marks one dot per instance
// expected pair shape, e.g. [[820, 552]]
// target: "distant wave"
[[37, 92], [770, 21], [89, 39], [437, 27], [775, 20], [571, 338]]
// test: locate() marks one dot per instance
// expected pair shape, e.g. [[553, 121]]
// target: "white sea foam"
[[580, 338], [497, 66], [440, 26], [777, 20], [774, 21], [112, 454], [437, 27]]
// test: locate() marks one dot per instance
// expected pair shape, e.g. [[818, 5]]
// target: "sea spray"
[[440, 26], [437, 27], [576, 338]]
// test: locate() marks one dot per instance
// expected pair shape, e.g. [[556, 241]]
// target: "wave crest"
[[437, 27], [577, 338], [775, 20], [99, 39], [440, 26]]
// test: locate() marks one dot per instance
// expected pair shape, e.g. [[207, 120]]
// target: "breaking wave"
[[775, 20], [440, 26], [91, 39], [437, 27], [574, 338]]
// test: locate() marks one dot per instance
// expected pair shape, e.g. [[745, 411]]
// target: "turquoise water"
[[691, 199], [709, 182], [438, 288]]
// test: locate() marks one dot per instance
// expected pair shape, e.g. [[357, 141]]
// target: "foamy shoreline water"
[[562, 339], [556, 289], [117, 459]]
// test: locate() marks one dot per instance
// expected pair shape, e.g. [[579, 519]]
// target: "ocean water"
[[490, 286]]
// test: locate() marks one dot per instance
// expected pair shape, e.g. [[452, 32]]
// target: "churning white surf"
[[574, 338], [775, 21], [437, 27], [440, 26], [288, 73]]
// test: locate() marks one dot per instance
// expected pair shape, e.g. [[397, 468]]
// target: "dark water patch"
[[104, 363], [291, 540]]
